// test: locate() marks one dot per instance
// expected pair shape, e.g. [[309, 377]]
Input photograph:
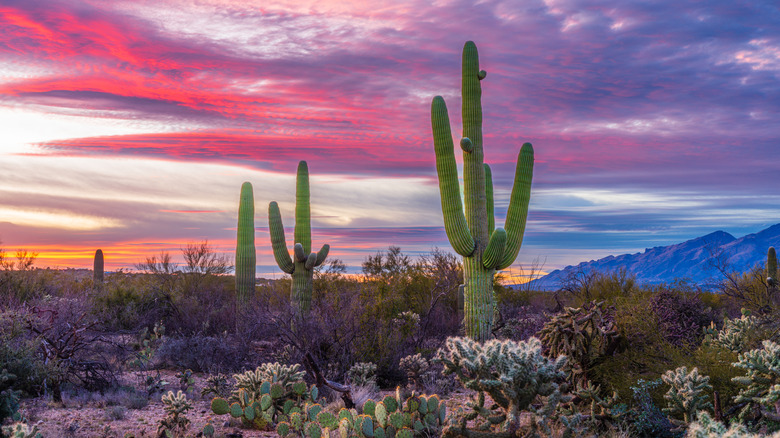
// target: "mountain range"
[[693, 260]]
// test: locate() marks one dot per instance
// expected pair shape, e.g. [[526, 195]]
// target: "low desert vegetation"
[[382, 352]]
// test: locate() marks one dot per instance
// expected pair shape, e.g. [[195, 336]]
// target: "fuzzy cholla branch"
[[707, 427], [736, 334], [762, 378], [513, 374], [687, 395]]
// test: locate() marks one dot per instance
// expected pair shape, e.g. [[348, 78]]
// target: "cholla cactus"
[[707, 427], [363, 374], [736, 334], [601, 408], [414, 366], [175, 422], [582, 334], [514, 374], [20, 430], [687, 394], [762, 379]]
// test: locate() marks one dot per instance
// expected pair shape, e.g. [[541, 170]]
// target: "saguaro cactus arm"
[[451, 205], [322, 254], [489, 199], [278, 243], [518, 205], [495, 249], [302, 232]]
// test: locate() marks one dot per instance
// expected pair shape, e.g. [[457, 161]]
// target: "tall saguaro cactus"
[[771, 267], [246, 256], [301, 265], [473, 235], [97, 268]]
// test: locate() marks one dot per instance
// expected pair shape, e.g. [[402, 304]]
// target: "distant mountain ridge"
[[691, 259]]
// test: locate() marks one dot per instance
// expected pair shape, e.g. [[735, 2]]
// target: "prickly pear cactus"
[[391, 417], [473, 235], [20, 430], [301, 265], [246, 255], [687, 394], [516, 375], [270, 394]]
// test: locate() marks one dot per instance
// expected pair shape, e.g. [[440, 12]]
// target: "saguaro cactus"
[[302, 265], [246, 257], [484, 248], [97, 268], [771, 267]]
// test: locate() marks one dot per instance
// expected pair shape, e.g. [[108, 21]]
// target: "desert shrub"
[[584, 285], [716, 362], [19, 351], [116, 412], [681, 316], [201, 353], [520, 323], [9, 397], [647, 418], [643, 352]]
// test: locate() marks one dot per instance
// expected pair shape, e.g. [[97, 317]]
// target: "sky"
[[130, 125]]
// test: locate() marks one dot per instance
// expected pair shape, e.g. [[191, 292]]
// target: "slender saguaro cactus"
[[97, 268], [771, 267], [473, 235], [246, 256], [301, 265]]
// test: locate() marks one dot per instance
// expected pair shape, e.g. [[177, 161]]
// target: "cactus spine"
[[301, 265], [246, 258], [771, 267], [473, 235], [97, 268]]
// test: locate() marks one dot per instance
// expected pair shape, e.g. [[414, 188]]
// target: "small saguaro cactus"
[[97, 267], [771, 267], [473, 235], [246, 257], [301, 265]]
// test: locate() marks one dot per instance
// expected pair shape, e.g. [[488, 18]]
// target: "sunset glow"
[[130, 126]]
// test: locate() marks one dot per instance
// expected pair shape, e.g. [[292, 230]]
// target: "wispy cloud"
[[136, 121]]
